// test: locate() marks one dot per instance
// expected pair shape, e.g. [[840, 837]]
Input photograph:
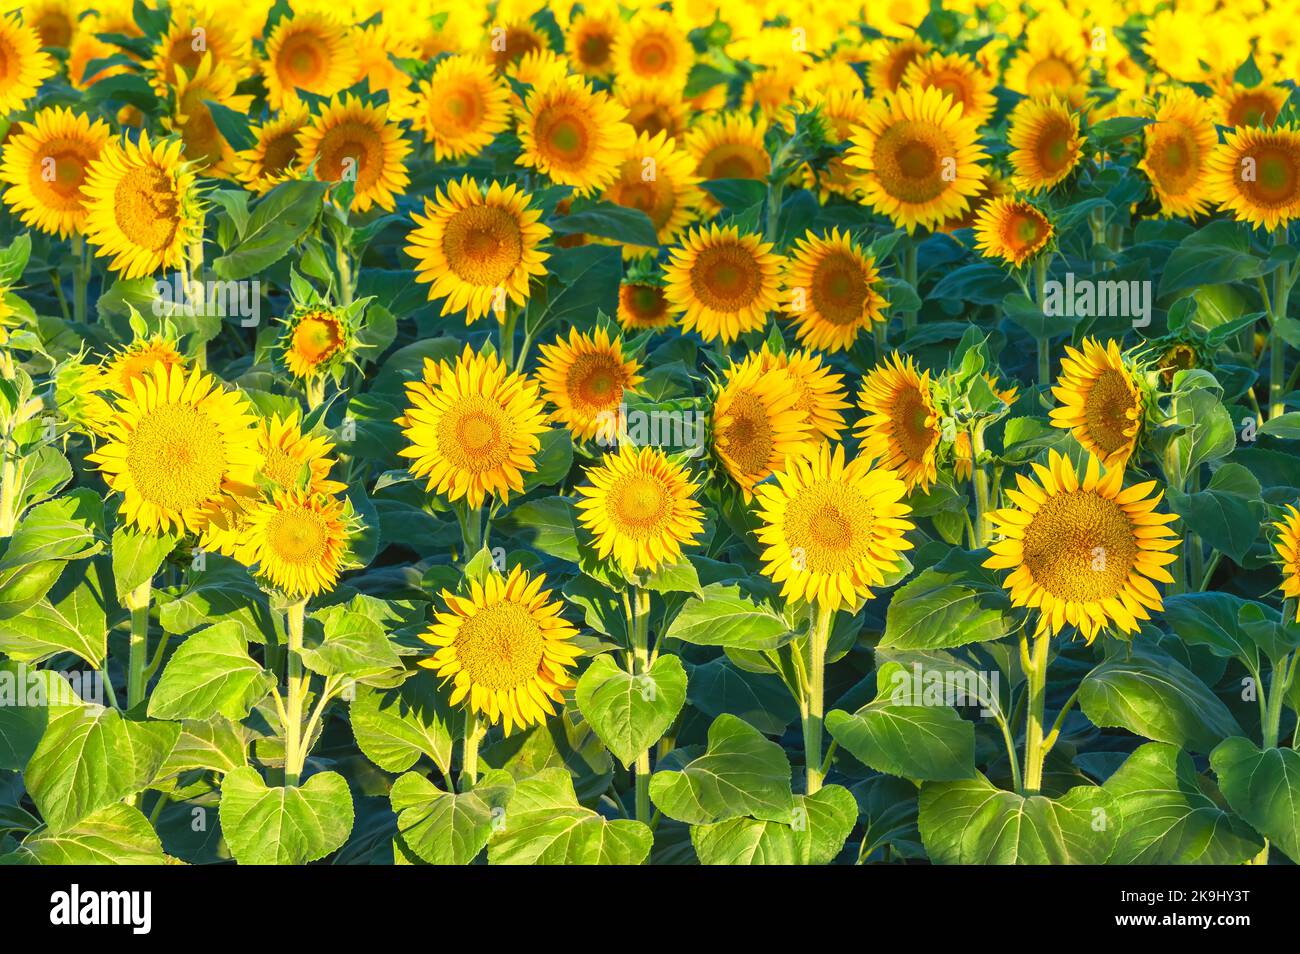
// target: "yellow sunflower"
[[314, 338], [653, 48], [140, 206], [204, 145], [132, 362], [1101, 401], [959, 78], [653, 109], [376, 47], [298, 541], [1012, 229], [642, 306], [462, 107], [23, 67], [723, 283], [1083, 551], [45, 162], [55, 21], [640, 509], [476, 249], [189, 38], [1287, 547], [920, 158], [506, 649], [830, 291], [585, 378], [729, 146], [760, 418], [355, 142], [179, 450], [1179, 146], [510, 42], [1237, 105], [901, 427], [88, 48], [574, 135], [890, 62], [309, 51], [831, 530], [589, 42], [536, 69], [1255, 175], [842, 109], [1045, 141], [273, 157], [822, 395], [657, 178], [474, 428], [1049, 66]]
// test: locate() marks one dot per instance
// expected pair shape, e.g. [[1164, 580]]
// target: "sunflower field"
[[622, 432]]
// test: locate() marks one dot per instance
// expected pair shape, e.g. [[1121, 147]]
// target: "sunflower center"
[[565, 134], [594, 49], [460, 108], [1107, 407], [911, 430], [655, 197], [1055, 145], [474, 434], [1277, 176], [748, 437], [726, 278], [840, 290], [1252, 109], [351, 150], [279, 153], [303, 61], [281, 468], [68, 164], [640, 503], [595, 381], [1175, 159], [298, 535], [652, 56], [828, 527], [500, 647], [146, 207], [54, 29], [175, 457], [1024, 230], [908, 161], [1051, 72], [315, 339], [735, 161], [482, 245], [645, 301], [1080, 547]]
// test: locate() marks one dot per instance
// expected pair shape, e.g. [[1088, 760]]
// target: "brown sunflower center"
[[462, 109], [1277, 176], [279, 153], [909, 418], [595, 381], [474, 434], [1024, 230], [146, 207], [281, 468], [482, 244], [1107, 407], [726, 278], [735, 161], [351, 150], [828, 527], [594, 48], [1253, 109], [1080, 547], [747, 436], [175, 457], [298, 535], [59, 172], [303, 61], [565, 134], [1176, 159], [1054, 145], [54, 28], [500, 647], [839, 289], [908, 160], [654, 197], [639, 504], [645, 302]]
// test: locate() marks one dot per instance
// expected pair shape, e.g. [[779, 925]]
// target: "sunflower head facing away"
[[132, 362], [832, 530], [759, 420], [1101, 401], [640, 509], [1045, 142], [723, 283], [354, 142], [299, 541], [585, 378], [23, 65], [1287, 547], [830, 291], [474, 428], [574, 135], [273, 157], [1082, 549], [901, 426], [506, 649], [1255, 175], [45, 163], [1013, 230]]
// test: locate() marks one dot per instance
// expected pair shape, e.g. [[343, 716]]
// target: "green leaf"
[[741, 773], [394, 727], [137, 556], [631, 713], [1263, 787], [815, 834], [724, 616], [605, 219], [546, 525], [211, 673], [284, 826], [1211, 620], [1168, 819], [27, 697], [215, 745], [445, 828], [113, 835], [1216, 254], [277, 221], [69, 619], [953, 603], [61, 529], [352, 644]]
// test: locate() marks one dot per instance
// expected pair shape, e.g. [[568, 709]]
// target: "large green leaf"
[[284, 826], [446, 828], [814, 836], [631, 713], [394, 727], [137, 556], [211, 673], [27, 698], [724, 616], [112, 835], [351, 643], [951, 604], [1263, 787], [277, 221], [70, 618]]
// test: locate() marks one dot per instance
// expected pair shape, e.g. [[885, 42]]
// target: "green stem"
[[137, 601], [294, 756], [471, 530], [196, 275], [641, 667], [80, 279], [507, 328], [1036, 673], [1215, 557], [1044, 342], [981, 484], [344, 265], [812, 705], [880, 337], [475, 729], [315, 386]]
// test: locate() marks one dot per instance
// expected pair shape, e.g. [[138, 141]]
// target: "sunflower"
[[510, 42], [1083, 551], [642, 306], [821, 392], [88, 48], [55, 21], [355, 142], [760, 418], [475, 249], [653, 109], [309, 51], [653, 48], [273, 156], [1179, 146], [45, 162], [299, 541], [1049, 66], [639, 507], [589, 42], [1179, 356], [23, 67], [722, 283], [890, 62], [842, 109], [132, 362], [658, 179], [140, 206], [187, 41], [729, 147], [1237, 105], [179, 450], [920, 156], [536, 69], [901, 429], [1045, 141], [506, 649], [585, 378], [1012, 229], [574, 135], [1287, 547], [1101, 401], [830, 291], [314, 338], [474, 428], [204, 145], [831, 530], [1255, 174], [959, 78], [377, 46], [462, 107]]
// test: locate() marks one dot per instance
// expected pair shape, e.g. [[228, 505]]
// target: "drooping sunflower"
[[729, 146], [1046, 144], [723, 283], [180, 449], [1101, 401], [23, 66], [191, 36], [474, 428], [1051, 65], [760, 418], [476, 249], [299, 541], [1013, 230], [589, 41], [309, 51], [1287, 547], [920, 157], [1237, 105], [130, 363], [643, 306], [832, 530], [574, 135], [314, 337], [191, 117], [586, 378], [355, 142], [657, 178], [830, 291], [1083, 549], [901, 427], [273, 157], [462, 107], [506, 649], [45, 162], [958, 77], [822, 395], [653, 48], [653, 109], [640, 508], [1179, 146], [1255, 175], [140, 206]]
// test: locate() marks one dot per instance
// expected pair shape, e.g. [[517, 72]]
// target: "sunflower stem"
[[1035, 752], [315, 391], [80, 279], [507, 328], [1044, 342], [1277, 309], [294, 757], [8, 491], [471, 531], [195, 257], [344, 265], [981, 483], [137, 601], [640, 635], [812, 705]]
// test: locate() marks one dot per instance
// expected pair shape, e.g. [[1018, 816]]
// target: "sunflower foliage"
[[599, 433]]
